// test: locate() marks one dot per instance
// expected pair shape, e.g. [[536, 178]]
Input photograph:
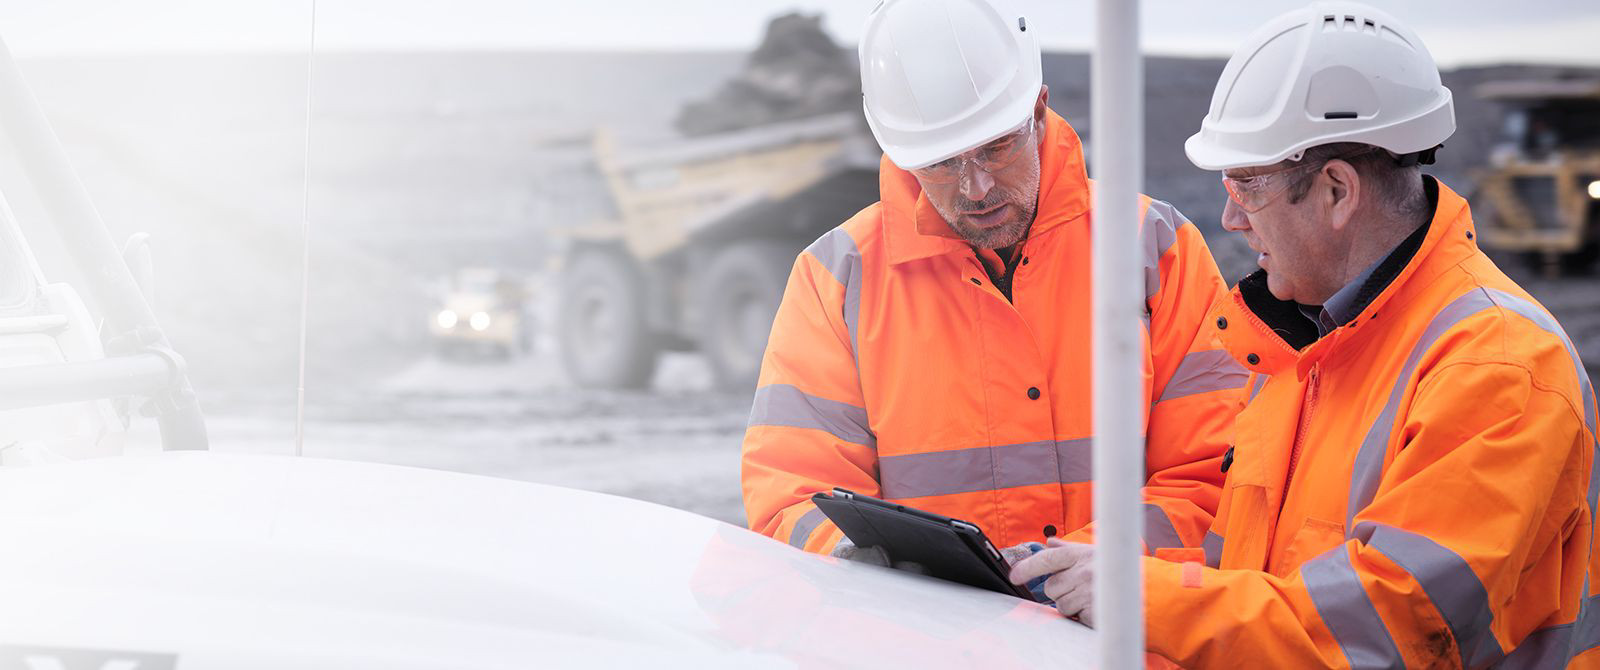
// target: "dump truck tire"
[[605, 342], [743, 285]]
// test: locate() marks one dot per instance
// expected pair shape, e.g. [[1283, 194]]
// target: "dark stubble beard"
[[998, 237]]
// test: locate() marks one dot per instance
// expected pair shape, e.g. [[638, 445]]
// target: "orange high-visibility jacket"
[[895, 369], [1415, 488]]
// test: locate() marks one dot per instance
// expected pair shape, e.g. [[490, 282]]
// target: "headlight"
[[447, 319], [479, 321], [1594, 189]]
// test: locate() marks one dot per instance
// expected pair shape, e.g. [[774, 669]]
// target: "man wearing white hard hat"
[[1412, 481], [934, 350]]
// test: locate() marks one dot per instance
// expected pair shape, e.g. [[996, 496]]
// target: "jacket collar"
[[913, 229], [1449, 239]]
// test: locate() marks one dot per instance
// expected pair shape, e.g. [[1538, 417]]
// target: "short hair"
[[1398, 189]]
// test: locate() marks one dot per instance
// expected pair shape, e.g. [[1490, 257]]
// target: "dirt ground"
[[677, 445]]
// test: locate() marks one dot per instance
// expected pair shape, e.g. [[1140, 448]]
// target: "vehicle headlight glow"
[[1594, 189], [479, 321], [447, 319]]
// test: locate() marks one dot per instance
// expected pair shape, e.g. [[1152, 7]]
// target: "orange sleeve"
[[808, 430], [1425, 577]]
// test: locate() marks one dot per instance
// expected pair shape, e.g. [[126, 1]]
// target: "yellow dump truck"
[[1540, 194], [706, 231]]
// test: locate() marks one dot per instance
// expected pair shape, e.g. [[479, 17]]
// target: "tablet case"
[[948, 548]]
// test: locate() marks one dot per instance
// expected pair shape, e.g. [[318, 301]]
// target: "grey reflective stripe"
[[1450, 583], [1158, 234], [1159, 532], [1544, 648], [1074, 460], [837, 252], [1261, 380], [938, 473], [1369, 459], [802, 528], [1213, 547], [1554, 646], [1588, 626], [1348, 612], [1368, 467], [785, 405], [1204, 371]]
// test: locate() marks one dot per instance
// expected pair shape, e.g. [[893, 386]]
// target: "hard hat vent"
[[1349, 22]]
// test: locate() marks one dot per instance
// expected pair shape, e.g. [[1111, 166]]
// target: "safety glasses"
[[1252, 194], [992, 157]]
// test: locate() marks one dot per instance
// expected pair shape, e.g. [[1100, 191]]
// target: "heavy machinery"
[[707, 230], [1541, 193], [193, 559], [483, 311]]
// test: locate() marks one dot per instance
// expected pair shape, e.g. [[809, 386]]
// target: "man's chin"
[[993, 237], [1279, 288]]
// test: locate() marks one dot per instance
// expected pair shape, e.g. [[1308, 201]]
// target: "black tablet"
[[948, 548]]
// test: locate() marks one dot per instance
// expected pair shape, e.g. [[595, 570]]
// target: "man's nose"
[[975, 182], [1233, 217]]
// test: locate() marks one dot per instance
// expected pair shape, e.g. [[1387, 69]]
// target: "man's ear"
[[1041, 104], [1343, 194]]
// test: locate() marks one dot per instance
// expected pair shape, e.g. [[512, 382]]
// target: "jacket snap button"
[[976, 282], [1254, 359], [1222, 323], [1024, 260], [1050, 530], [1469, 234], [1033, 393]]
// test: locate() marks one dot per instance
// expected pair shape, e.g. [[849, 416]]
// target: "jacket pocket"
[[1313, 537]]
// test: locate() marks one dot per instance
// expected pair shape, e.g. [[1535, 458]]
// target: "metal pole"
[[128, 316], [1117, 122], [47, 384]]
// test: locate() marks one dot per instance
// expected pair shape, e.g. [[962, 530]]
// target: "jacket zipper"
[[1307, 408]]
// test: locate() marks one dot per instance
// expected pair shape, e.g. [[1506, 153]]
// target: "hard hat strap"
[[1424, 157]]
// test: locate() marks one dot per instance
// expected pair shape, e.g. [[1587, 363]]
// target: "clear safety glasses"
[[993, 157], [1254, 193]]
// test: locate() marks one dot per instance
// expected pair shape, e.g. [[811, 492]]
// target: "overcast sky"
[[1456, 31]]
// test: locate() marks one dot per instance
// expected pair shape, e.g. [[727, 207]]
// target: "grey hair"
[[1398, 189]]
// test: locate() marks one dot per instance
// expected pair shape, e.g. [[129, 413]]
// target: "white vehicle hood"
[[205, 560]]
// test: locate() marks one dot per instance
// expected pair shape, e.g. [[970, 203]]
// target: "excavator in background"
[[1540, 194]]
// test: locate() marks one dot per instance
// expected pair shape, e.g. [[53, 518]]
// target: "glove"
[[848, 550], [1014, 555], [1019, 552], [873, 556]]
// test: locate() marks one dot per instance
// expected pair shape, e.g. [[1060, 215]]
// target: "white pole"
[[305, 245], [1117, 122]]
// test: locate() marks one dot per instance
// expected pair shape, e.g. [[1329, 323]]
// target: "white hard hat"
[[1329, 72], [940, 77]]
